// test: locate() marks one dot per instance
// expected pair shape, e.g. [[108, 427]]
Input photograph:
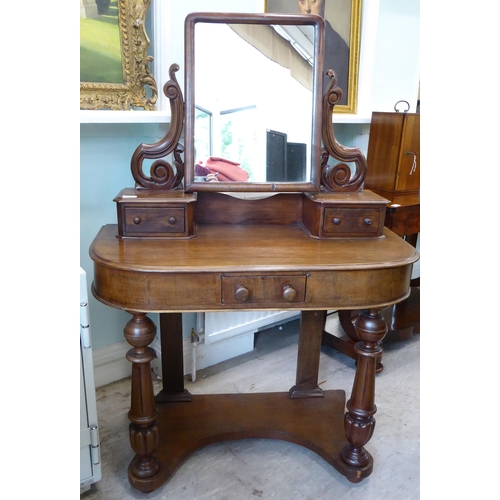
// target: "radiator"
[[223, 335], [222, 325]]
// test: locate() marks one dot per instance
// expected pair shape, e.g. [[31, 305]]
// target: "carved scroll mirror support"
[[162, 174], [338, 177]]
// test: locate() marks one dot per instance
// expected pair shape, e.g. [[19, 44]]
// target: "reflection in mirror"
[[203, 132], [254, 103], [260, 103]]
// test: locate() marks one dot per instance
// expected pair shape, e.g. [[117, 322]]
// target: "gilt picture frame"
[[342, 41], [136, 86]]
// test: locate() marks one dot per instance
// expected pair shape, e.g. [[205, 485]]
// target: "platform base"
[[315, 423]]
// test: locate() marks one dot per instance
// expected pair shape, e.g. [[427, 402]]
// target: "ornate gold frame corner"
[[134, 44], [354, 45]]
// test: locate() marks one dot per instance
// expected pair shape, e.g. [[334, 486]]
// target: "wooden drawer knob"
[[289, 293], [137, 220], [241, 293], [172, 220]]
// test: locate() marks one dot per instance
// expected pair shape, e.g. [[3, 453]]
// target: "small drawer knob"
[[368, 221], [137, 220], [336, 221], [289, 293], [241, 293], [172, 221]]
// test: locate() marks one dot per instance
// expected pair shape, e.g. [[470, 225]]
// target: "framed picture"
[[114, 64], [342, 41]]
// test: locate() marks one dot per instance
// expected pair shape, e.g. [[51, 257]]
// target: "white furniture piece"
[[90, 466]]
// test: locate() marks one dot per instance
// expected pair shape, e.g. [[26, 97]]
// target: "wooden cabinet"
[[393, 161]]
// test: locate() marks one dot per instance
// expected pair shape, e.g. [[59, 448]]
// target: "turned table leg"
[[311, 330], [144, 437], [358, 420], [347, 319]]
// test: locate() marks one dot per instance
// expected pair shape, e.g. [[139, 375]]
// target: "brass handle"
[[289, 293], [404, 111], [241, 293], [414, 164], [137, 220]]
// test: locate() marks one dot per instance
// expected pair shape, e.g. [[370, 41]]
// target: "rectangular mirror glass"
[[253, 105]]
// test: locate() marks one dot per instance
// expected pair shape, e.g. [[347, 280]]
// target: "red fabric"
[[228, 171]]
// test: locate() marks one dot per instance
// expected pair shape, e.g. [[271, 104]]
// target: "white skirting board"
[[227, 335], [110, 364]]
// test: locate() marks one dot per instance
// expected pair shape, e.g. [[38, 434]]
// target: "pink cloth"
[[226, 170]]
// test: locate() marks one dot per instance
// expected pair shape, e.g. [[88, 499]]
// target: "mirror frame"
[[263, 19]]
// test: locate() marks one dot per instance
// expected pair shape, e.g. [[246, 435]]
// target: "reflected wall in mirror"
[[253, 109]]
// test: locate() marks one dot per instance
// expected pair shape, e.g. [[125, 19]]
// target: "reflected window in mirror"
[[238, 138], [202, 132]]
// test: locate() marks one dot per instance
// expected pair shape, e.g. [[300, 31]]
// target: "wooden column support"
[[139, 332], [359, 422], [172, 362], [311, 328]]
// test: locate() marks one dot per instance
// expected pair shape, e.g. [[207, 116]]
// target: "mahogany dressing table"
[[180, 245]]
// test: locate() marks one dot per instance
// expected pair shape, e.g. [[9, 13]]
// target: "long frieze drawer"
[[146, 220], [355, 221], [265, 290]]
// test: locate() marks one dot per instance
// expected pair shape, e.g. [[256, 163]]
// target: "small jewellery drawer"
[[266, 290], [352, 221], [146, 220]]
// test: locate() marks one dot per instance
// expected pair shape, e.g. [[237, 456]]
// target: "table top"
[[232, 248], [203, 273]]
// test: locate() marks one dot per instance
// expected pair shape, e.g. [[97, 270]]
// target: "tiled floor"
[[265, 469]]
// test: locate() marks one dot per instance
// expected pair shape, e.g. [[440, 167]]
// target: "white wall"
[[389, 67], [396, 72]]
